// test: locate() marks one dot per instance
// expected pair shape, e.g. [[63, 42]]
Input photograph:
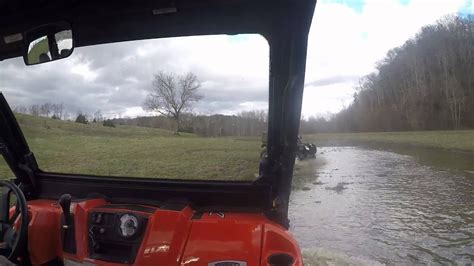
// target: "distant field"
[[70, 147], [459, 140]]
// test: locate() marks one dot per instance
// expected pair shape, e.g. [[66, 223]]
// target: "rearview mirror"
[[48, 43]]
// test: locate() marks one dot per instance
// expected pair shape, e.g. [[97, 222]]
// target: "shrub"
[[108, 123], [187, 129], [81, 118]]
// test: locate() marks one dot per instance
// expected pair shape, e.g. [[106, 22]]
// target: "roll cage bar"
[[284, 23]]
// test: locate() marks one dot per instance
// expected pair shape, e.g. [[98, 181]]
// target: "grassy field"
[[456, 140], [39, 48], [69, 147]]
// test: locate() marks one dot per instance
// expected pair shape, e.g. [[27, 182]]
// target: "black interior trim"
[[131, 207], [202, 195]]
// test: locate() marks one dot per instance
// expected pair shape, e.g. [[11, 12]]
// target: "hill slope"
[[68, 147], [35, 126]]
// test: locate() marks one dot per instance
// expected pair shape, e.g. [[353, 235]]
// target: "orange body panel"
[[44, 234], [234, 237], [165, 238], [172, 237], [276, 240]]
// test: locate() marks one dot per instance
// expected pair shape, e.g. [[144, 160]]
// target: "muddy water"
[[385, 206]]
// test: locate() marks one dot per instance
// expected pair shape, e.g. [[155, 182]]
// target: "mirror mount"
[[48, 42]]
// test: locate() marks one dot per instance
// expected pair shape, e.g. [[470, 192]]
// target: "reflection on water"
[[385, 207]]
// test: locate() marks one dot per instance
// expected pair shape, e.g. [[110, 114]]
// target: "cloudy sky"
[[347, 38]]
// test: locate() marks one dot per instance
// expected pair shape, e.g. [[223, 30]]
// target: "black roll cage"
[[284, 23]]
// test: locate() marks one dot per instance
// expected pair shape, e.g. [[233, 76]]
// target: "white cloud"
[[115, 77], [83, 70], [330, 98], [132, 112]]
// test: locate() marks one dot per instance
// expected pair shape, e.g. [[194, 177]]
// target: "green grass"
[[459, 140], [39, 48], [68, 147]]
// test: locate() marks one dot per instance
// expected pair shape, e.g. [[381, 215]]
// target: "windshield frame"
[[284, 24]]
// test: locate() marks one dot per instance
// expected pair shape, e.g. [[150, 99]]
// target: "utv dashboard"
[[105, 233], [115, 235]]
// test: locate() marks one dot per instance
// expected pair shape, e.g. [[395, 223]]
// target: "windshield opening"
[[180, 108]]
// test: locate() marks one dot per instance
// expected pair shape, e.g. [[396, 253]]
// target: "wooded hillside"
[[426, 84]]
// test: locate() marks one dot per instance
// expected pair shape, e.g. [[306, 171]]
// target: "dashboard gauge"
[[128, 225]]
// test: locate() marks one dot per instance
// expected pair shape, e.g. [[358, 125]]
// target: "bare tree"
[[45, 109], [35, 109], [58, 110], [20, 109], [98, 116], [172, 94]]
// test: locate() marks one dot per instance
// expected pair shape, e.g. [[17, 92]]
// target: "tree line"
[[53, 110], [58, 111], [425, 84], [247, 123]]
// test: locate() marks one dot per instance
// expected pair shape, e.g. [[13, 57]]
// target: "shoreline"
[[459, 141]]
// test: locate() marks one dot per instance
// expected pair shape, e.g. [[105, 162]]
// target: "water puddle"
[[359, 206], [339, 187], [325, 257]]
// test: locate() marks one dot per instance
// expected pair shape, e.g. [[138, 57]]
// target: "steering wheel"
[[12, 234]]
